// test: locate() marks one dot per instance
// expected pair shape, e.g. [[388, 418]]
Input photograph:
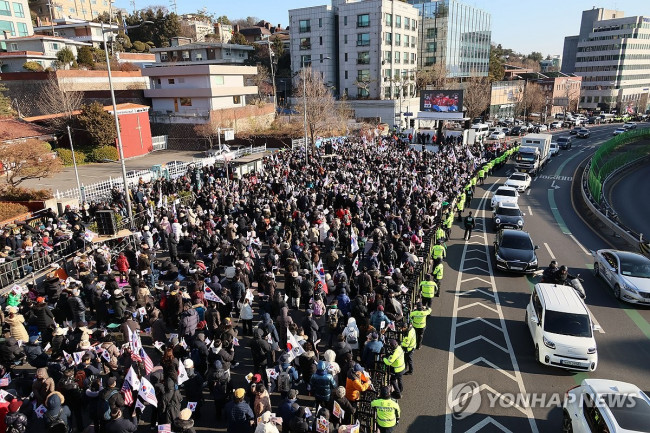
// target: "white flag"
[[139, 404], [182, 374], [132, 378], [211, 296], [354, 243], [77, 356], [293, 346], [147, 392]]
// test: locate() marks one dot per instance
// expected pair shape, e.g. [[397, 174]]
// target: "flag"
[[211, 296], [147, 392], [148, 363], [293, 346], [354, 243], [132, 378], [6, 380], [139, 405], [77, 356], [128, 394], [182, 373], [135, 357], [319, 272]]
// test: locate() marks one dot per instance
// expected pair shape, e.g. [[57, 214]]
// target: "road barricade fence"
[[602, 168]]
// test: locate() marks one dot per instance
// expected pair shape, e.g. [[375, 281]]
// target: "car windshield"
[[520, 177], [562, 140], [508, 211], [631, 413], [515, 242], [575, 325], [506, 192], [635, 266]]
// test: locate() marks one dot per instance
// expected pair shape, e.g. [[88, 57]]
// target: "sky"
[[522, 25]]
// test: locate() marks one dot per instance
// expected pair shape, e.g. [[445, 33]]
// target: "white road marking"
[[549, 251], [528, 192], [530, 211], [513, 374], [584, 250], [593, 319]]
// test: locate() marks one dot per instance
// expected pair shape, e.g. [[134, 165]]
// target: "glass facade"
[[454, 34]]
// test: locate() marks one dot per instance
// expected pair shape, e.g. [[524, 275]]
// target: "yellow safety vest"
[[438, 271], [408, 343], [428, 288], [440, 234], [387, 411], [419, 318], [449, 221], [396, 360], [439, 252], [461, 202]]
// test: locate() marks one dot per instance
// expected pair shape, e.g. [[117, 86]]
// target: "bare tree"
[[263, 82], [531, 99], [30, 159], [210, 130], [323, 115], [55, 99], [476, 97], [434, 76]]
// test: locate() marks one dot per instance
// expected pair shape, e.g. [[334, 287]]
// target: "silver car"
[[628, 274]]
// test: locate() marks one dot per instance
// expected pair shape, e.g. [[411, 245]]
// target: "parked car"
[[504, 194], [565, 142], [514, 251], [619, 131], [628, 274], [561, 328], [519, 181], [583, 133], [508, 215], [497, 135], [541, 127], [607, 406], [516, 131], [556, 125], [554, 149]]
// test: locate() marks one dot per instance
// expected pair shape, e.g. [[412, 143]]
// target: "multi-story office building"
[[15, 19], [454, 34], [365, 49], [76, 9], [612, 58]]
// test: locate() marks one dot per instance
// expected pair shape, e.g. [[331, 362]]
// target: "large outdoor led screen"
[[441, 101]]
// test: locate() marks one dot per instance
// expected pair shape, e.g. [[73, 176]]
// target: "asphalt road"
[[628, 196], [477, 334]]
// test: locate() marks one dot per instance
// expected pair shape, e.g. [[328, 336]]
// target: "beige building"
[[195, 27], [76, 9], [14, 19], [77, 30]]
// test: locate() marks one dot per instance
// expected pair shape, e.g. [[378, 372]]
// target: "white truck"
[[534, 153]]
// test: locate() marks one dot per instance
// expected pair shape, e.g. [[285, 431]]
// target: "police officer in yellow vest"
[[439, 252], [419, 320], [440, 234], [387, 411], [448, 222], [396, 363], [481, 175], [460, 205], [408, 345], [438, 272], [429, 290]]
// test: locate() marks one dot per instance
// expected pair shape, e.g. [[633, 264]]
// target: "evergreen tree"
[[5, 103]]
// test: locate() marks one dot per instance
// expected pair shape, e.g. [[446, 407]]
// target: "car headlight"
[[630, 288], [499, 259], [498, 221], [548, 343], [533, 263], [520, 222], [591, 350]]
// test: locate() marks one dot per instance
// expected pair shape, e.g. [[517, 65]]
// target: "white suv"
[[504, 194], [601, 405], [561, 328]]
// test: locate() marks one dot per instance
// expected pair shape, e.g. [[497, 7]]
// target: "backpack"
[[104, 408], [318, 307], [16, 423], [333, 319], [57, 425], [352, 337], [284, 380], [195, 356]]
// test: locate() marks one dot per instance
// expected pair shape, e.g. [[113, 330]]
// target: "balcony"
[[306, 29], [363, 61], [363, 43]]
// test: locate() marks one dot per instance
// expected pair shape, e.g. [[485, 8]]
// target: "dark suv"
[[565, 142]]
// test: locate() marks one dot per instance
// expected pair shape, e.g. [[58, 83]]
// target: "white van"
[[481, 129], [561, 328]]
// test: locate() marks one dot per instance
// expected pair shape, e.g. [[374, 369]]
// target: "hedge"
[[25, 194], [66, 156], [11, 210], [100, 154]]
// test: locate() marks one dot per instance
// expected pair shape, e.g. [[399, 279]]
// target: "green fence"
[[603, 164]]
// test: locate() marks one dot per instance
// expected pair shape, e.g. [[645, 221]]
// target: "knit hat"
[[339, 392], [380, 308], [185, 414], [240, 393], [188, 363], [40, 300]]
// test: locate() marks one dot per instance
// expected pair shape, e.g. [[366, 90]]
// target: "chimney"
[[267, 25], [236, 28]]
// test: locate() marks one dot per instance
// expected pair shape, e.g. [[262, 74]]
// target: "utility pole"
[[172, 3], [50, 6], [133, 4], [74, 163]]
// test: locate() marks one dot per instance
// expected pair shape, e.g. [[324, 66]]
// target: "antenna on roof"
[[172, 3]]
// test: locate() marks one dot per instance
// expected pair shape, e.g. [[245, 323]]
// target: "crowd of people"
[[272, 297]]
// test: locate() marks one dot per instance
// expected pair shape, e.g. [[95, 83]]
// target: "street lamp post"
[[117, 126], [74, 163], [268, 39]]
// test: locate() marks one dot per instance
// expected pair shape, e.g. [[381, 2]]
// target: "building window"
[[320, 40], [345, 20], [345, 39], [346, 57], [236, 99], [186, 102], [14, 47], [406, 40], [320, 22], [163, 57], [321, 58], [55, 46], [431, 47], [217, 80], [346, 75], [4, 8], [389, 20], [432, 33], [198, 57], [363, 39], [407, 23], [428, 61], [304, 26], [387, 92], [305, 43], [396, 56], [171, 81], [388, 57], [363, 20], [398, 21], [389, 38], [363, 75], [18, 10], [363, 58], [72, 10], [406, 57], [22, 29], [362, 93], [305, 60], [398, 39], [413, 58]]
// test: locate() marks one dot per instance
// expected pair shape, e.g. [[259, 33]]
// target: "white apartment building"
[[613, 62], [37, 48], [202, 53], [371, 45], [15, 19], [188, 93], [77, 30]]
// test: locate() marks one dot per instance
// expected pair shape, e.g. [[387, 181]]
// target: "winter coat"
[[351, 332], [269, 327], [377, 317], [260, 348], [183, 426], [122, 264], [189, 321], [41, 317], [120, 425], [76, 305], [42, 386], [262, 403], [56, 410], [17, 328], [159, 330], [238, 416], [245, 311], [17, 420], [119, 305], [322, 385], [356, 383]]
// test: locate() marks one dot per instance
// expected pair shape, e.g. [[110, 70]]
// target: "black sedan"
[[514, 251], [517, 131], [583, 133]]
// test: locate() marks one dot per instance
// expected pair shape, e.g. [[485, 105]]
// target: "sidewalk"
[[93, 173]]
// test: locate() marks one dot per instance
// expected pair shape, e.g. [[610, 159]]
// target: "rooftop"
[[13, 129], [203, 45], [120, 107]]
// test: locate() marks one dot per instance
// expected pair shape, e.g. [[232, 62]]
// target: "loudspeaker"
[[106, 222]]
